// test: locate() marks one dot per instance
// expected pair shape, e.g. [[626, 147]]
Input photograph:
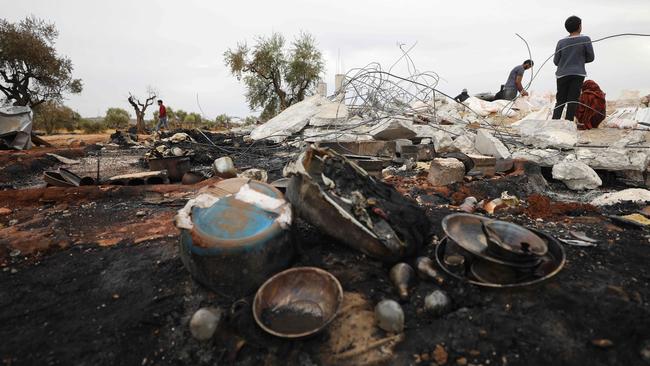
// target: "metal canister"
[[236, 244]]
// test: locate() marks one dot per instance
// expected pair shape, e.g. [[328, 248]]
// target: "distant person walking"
[[571, 54], [162, 116], [513, 84]]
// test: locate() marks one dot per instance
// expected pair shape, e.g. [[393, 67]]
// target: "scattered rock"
[[465, 144], [393, 129], [140, 213], [613, 159], [487, 144], [204, 323], [255, 174], [445, 171], [290, 121], [224, 167], [576, 175], [4, 211], [13, 222], [390, 316], [440, 355], [543, 157], [437, 303]]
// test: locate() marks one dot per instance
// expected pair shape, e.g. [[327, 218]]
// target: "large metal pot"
[[235, 244]]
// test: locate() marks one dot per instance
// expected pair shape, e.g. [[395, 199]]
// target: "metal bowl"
[[297, 302]]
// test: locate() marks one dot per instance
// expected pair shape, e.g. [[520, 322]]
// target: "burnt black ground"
[[130, 304]]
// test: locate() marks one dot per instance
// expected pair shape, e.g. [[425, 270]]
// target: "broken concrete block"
[[484, 164], [332, 113], [464, 144], [576, 175], [626, 195], [559, 134], [445, 171], [399, 143], [391, 130], [613, 159], [543, 157], [290, 121], [486, 144], [632, 138]]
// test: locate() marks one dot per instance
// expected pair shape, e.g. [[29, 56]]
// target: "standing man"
[[513, 84], [162, 116], [571, 54]]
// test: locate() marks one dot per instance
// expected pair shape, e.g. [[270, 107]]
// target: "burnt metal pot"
[[298, 302], [176, 166], [235, 246]]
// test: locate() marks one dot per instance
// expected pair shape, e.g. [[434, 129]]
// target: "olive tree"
[[117, 118], [31, 71], [276, 76]]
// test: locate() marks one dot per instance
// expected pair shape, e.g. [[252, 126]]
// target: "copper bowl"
[[297, 302]]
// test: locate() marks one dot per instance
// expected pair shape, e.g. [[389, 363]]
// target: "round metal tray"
[[553, 263]]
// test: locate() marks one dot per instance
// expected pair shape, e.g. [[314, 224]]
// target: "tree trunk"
[[139, 125]]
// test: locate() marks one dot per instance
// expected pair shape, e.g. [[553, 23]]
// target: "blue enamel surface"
[[226, 219]]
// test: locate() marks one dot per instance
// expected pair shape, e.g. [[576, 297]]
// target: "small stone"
[[116, 296], [445, 171], [461, 361], [15, 253], [5, 211], [602, 343], [140, 213], [13, 270], [440, 355], [204, 323], [13, 222], [390, 316], [437, 303]]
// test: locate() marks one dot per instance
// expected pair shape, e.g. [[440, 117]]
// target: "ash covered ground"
[[92, 275]]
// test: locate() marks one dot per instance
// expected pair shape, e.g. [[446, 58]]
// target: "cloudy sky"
[[177, 47]]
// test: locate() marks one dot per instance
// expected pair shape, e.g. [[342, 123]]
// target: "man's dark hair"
[[530, 62], [160, 101], [572, 24]]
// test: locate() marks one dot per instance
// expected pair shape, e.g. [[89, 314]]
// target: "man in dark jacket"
[[571, 54]]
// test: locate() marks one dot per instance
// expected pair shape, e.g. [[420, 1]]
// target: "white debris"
[[632, 138], [267, 203], [179, 137], [329, 114], [255, 174], [543, 157], [442, 141], [183, 218], [204, 323], [628, 117], [224, 167], [576, 175], [290, 121], [626, 195], [487, 144], [464, 144], [560, 134], [613, 159], [393, 129]]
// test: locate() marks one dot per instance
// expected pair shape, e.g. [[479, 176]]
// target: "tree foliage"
[[31, 71], [117, 118], [276, 77], [52, 116]]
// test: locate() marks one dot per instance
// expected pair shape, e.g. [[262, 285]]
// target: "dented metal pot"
[[236, 235]]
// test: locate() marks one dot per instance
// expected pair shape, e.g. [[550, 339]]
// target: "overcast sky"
[[177, 47]]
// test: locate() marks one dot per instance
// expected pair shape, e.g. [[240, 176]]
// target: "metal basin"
[[297, 302], [176, 166]]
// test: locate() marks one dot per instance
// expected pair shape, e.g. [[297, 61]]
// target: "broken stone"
[[469, 204], [290, 121], [390, 316], [484, 164], [140, 213], [560, 134], [576, 175], [487, 144], [445, 171], [437, 303], [546, 158], [613, 159], [204, 323], [632, 138], [392, 130], [465, 144], [442, 140], [626, 195], [332, 113]]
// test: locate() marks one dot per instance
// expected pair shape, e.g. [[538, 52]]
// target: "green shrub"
[[88, 126]]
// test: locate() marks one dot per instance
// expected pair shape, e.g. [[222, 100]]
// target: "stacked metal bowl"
[[495, 253]]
